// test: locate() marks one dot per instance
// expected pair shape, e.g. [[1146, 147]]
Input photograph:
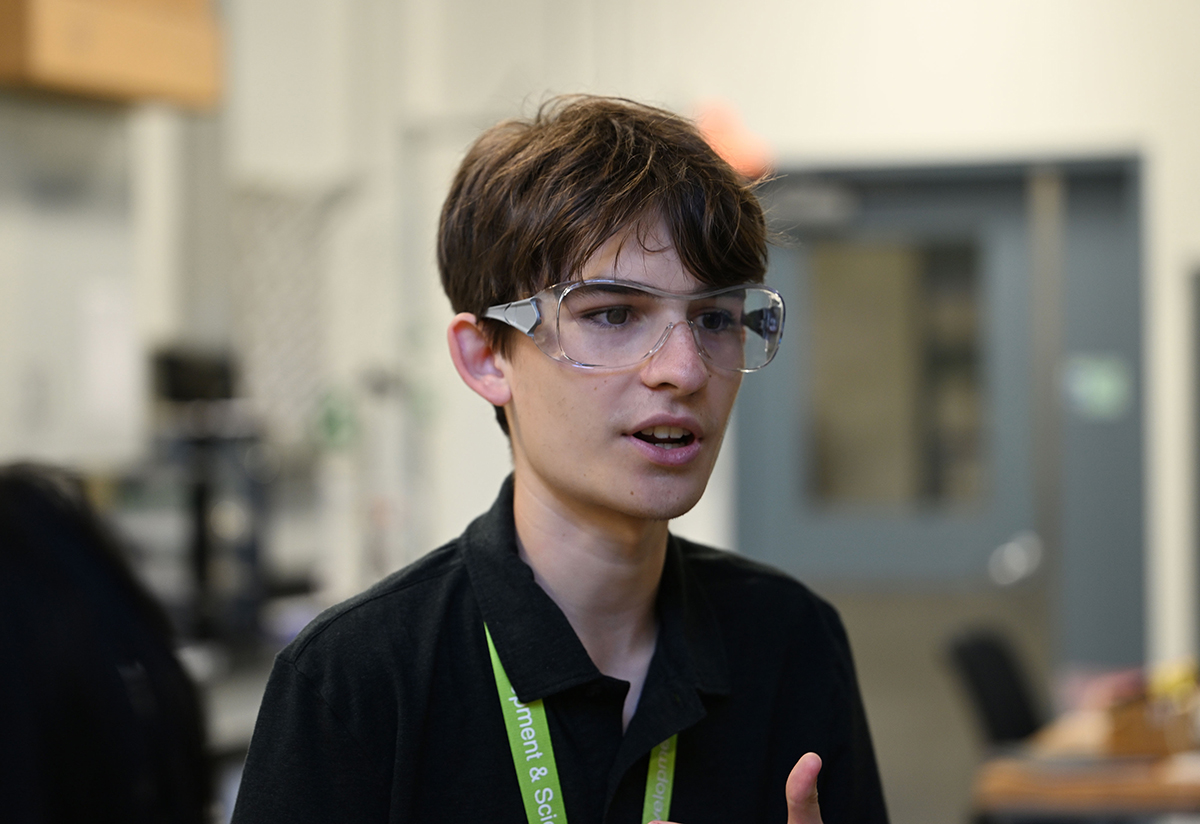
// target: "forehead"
[[643, 253]]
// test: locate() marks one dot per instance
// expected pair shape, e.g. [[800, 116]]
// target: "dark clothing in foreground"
[[98, 721], [385, 708]]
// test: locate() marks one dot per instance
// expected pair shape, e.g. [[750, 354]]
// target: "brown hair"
[[535, 198]]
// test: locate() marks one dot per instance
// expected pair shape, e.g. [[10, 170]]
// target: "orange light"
[[741, 148]]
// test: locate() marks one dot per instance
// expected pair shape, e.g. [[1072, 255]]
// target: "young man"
[[567, 657]]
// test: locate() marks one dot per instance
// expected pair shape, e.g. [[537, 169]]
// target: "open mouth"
[[666, 437]]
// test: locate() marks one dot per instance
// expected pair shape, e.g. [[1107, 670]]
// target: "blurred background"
[[218, 301]]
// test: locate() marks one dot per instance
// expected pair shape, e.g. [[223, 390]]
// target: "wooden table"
[[1014, 787]]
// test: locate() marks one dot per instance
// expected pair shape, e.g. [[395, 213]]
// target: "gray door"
[[897, 442]]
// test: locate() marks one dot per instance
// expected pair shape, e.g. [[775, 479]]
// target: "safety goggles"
[[615, 323]]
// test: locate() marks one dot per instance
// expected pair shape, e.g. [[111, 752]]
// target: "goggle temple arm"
[[522, 315]]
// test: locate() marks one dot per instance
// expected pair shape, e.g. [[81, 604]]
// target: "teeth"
[[663, 433]]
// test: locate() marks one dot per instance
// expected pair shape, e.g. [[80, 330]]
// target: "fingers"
[[802, 791]]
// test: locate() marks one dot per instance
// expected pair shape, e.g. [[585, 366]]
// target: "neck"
[[602, 572]]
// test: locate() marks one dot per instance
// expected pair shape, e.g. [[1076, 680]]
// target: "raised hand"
[[801, 792]]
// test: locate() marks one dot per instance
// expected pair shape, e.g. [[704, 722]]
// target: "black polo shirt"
[[385, 708]]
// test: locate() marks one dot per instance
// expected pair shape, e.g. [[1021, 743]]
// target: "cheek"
[[567, 406], [592, 400], [725, 391], [588, 411]]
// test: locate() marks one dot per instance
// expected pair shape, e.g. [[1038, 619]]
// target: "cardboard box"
[[1156, 728], [113, 49]]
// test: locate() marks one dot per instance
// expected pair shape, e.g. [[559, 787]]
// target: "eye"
[[617, 316], [714, 320], [610, 316]]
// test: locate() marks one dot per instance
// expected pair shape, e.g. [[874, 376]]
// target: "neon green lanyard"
[[537, 771]]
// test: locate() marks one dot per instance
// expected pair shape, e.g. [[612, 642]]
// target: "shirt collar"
[[541, 653]]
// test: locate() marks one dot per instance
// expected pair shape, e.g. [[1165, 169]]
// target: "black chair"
[[999, 690], [997, 686]]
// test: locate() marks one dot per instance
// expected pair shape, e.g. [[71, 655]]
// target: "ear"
[[477, 363]]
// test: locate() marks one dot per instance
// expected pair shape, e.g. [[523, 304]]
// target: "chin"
[[663, 504]]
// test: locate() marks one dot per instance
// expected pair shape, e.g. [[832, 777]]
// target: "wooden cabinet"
[[113, 49]]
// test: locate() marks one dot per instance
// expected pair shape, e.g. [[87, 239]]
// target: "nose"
[[677, 361]]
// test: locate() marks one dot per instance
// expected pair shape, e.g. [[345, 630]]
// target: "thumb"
[[801, 791]]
